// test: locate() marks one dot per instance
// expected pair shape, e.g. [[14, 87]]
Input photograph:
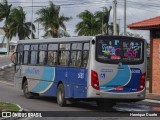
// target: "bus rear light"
[[142, 82], [94, 80]]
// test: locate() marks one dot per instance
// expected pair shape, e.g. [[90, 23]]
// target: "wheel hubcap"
[[60, 95], [26, 90]]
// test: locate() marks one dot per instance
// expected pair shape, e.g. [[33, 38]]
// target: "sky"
[[137, 10]]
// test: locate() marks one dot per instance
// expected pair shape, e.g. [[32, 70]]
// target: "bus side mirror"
[[14, 58]]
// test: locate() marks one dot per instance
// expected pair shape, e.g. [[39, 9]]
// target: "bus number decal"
[[80, 75], [136, 71]]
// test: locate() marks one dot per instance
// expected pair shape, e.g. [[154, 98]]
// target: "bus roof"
[[71, 39], [67, 39]]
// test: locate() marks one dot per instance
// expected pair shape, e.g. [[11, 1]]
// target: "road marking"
[[151, 101], [8, 83]]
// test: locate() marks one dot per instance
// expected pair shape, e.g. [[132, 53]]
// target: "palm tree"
[[18, 25], [52, 22], [89, 24], [104, 16], [5, 9]]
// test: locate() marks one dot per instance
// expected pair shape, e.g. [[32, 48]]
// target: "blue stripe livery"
[[128, 78], [73, 79]]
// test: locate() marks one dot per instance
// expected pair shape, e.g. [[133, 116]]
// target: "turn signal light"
[[94, 80], [142, 82]]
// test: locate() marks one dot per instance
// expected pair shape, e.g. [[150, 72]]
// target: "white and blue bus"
[[103, 68]]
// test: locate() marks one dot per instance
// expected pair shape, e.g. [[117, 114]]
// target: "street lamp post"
[[125, 17], [102, 21]]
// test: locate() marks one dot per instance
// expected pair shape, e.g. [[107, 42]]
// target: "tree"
[[52, 22], [104, 16], [89, 25], [133, 35], [5, 9], [18, 25]]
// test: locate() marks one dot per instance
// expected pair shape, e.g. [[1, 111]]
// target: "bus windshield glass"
[[119, 50]]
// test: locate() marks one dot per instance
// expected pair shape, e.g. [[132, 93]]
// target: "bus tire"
[[61, 95], [26, 93]]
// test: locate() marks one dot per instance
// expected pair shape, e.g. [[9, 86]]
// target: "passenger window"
[[20, 54], [64, 58], [85, 58], [34, 57], [75, 58], [26, 54], [53, 47], [77, 46], [85, 54], [86, 46], [20, 58], [52, 54], [42, 54], [72, 61], [76, 55], [42, 57], [34, 54], [64, 47], [52, 58]]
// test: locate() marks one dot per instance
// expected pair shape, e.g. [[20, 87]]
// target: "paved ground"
[[4, 60], [7, 74]]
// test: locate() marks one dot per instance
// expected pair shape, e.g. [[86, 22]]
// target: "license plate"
[[119, 88]]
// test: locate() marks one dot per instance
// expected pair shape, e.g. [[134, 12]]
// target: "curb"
[[13, 118], [151, 101]]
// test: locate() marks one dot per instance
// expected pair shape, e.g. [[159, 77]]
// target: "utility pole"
[[38, 30], [119, 21], [114, 17], [32, 21], [125, 17], [102, 21]]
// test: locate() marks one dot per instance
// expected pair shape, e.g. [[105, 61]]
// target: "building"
[[3, 42], [153, 25]]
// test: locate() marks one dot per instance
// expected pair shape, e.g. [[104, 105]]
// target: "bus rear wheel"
[[61, 95], [26, 93]]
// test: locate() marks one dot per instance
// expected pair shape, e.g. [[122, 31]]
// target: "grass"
[[7, 107]]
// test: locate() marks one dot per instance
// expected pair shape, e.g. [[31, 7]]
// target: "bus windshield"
[[119, 50]]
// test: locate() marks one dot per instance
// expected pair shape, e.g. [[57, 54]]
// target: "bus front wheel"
[[61, 95], [26, 93]]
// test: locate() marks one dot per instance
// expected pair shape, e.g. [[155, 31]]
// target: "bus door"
[[17, 59]]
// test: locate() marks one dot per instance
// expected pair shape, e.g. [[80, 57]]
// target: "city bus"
[[105, 69]]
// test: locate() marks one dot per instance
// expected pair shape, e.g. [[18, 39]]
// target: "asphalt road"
[[4, 60], [9, 94]]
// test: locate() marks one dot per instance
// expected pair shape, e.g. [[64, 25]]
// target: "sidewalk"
[[153, 96]]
